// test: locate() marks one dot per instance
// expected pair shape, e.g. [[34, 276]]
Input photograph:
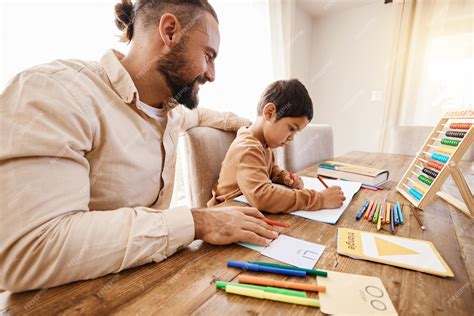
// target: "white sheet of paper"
[[297, 252], [329, 215]]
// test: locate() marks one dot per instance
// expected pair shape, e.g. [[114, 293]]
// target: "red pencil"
[[324, 183], [274, 223]]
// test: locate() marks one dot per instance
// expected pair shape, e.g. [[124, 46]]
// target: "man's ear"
[[170, 30], [269, 111]]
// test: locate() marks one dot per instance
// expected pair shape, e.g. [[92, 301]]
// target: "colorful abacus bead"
[[415, 193], [455, 134], [439, 157], [430, 172], [445, 150], [460, 125], [450, 142], [424, 179], [435, 165], [420, 187]]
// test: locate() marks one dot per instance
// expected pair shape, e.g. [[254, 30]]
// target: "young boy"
[[284, 109]]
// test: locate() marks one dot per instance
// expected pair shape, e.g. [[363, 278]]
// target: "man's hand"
[[226, 225], [294, 181]]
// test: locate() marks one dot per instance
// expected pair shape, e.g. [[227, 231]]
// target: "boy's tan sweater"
[[249, 169]]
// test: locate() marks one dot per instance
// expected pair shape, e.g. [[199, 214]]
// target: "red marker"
[[274, 223], [324, 183]]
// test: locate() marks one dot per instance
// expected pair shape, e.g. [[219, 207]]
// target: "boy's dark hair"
[[290, 97]]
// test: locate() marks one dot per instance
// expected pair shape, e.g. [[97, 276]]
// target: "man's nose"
[[210, 73]]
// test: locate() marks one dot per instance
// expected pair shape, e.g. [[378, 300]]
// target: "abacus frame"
[[450, 168]]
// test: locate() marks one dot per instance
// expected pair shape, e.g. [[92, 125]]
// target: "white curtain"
[[432, 68], [282, 14]]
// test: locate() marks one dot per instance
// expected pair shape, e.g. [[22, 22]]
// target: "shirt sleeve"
[[48, 234], [278, 174], [204, 117], [253, 179]]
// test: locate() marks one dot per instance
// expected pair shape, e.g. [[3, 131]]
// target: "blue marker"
[[258, 268], [395, 212], [392, 221], [400, 214], [362, 210]]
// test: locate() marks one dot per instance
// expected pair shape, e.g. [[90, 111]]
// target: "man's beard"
[[173, 67]]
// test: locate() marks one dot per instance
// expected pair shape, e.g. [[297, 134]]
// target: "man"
[[88, 152]]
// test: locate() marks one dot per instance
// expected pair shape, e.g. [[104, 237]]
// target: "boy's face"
[[279, 133]]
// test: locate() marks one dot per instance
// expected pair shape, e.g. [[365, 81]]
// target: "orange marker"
[[274, 223], [283, 284], [369, 208]]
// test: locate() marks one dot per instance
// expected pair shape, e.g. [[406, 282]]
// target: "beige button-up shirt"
[[86, 176]]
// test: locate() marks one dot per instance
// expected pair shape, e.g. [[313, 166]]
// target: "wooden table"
[[184, 284]]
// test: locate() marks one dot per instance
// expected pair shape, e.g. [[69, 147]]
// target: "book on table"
[[356, 173]]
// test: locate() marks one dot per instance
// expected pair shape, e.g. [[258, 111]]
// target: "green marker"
[[275, 265], [376, 216], [269, 289]]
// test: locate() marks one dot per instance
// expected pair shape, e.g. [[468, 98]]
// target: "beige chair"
[[205, 148], [312, 145]]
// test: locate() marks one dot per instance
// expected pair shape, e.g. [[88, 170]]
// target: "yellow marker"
[[272, 296], [387, 213]]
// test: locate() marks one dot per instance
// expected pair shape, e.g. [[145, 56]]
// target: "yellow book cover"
[[414, 254]]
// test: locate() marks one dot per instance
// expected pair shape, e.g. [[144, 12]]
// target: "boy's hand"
[[294, 181], [333, 197]]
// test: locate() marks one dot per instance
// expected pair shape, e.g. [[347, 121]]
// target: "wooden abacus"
[[438, 158]]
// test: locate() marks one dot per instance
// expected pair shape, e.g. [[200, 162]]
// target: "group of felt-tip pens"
[[270, 289], [380, 213]]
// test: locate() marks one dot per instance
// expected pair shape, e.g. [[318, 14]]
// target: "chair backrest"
[[313, 144], [204, 151]]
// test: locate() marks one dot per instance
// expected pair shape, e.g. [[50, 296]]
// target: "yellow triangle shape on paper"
[[387, 248]]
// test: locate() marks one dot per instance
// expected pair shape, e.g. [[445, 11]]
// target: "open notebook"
[[324, 215]]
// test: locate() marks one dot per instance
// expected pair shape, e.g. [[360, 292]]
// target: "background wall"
[[343, 58]]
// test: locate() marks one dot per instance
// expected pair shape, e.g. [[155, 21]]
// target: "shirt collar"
[[118, 75], [121, 80]]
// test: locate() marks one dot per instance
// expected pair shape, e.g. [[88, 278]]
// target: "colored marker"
[[379, 219], [223, 285], [369, 208], [382, 212], [362, 210], [389, 214], [372, 212], [387, 210], [392, 222], [276, 265], [272, 296], [400, 212], [376, 214], [395, 213], [275, 223], [258, 268], [324, 183], [284, 284]]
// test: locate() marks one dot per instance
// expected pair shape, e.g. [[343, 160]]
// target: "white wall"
[[349, 72], [301, 39]]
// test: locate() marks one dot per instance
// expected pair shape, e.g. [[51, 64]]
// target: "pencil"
[[382, 213], [324, 183], [417, 218]]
